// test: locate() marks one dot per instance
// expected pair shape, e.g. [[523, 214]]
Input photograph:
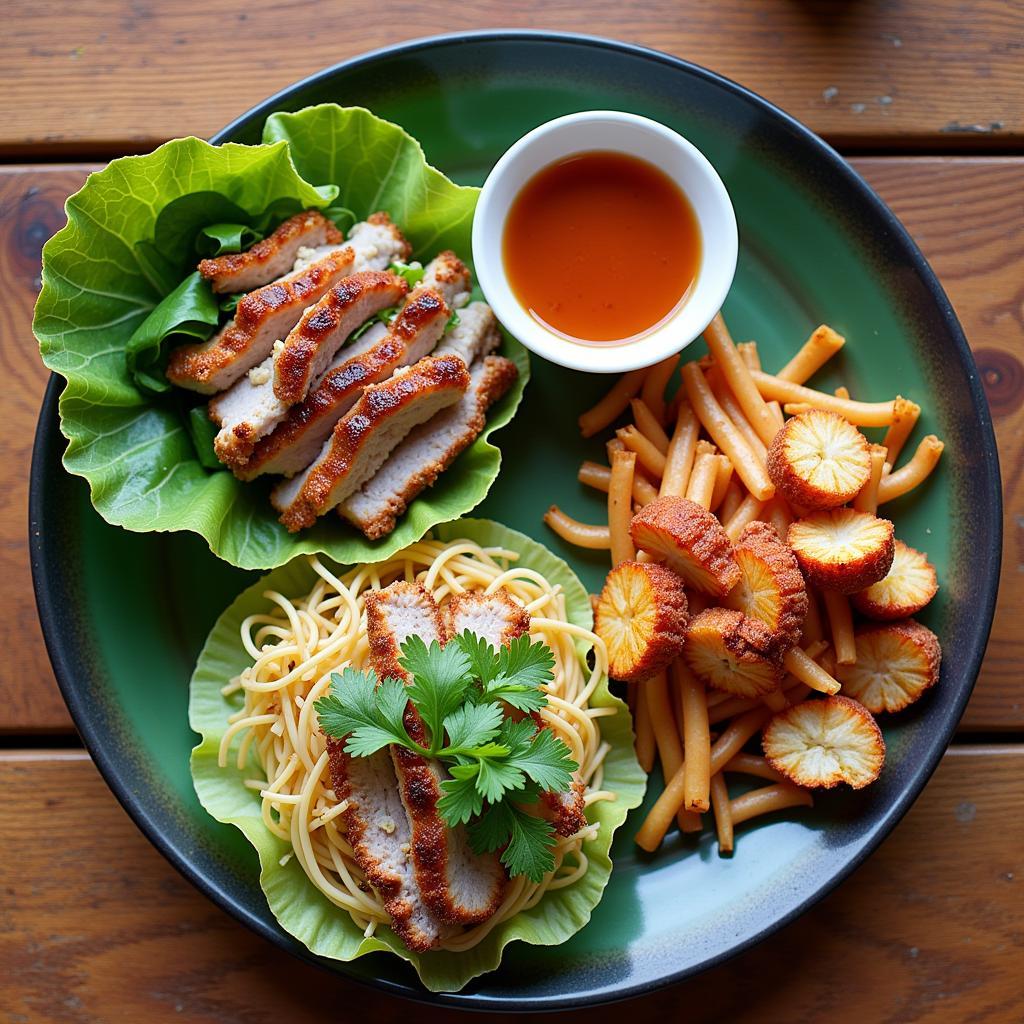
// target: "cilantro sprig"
[[497, 767]]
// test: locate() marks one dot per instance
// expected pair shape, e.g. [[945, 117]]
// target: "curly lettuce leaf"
[[129, 247], [299, 907]]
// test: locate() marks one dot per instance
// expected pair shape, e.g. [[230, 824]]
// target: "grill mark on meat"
[[428, 450], [366, 434], [261, 317], [271, 257], [316, 338]]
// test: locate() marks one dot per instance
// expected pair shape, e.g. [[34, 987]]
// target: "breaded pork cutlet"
[[271, 257], [250, 409], [269, 313], [428, 450], [373, 357], [499, 619], [457, 885], [365, 436]]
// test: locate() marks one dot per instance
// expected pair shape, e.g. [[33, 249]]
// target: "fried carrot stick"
[[614, 403], [681, 452], [620, 506], [752, 764], [647, 454], [593, 474], [750, 508], [867, 497], [644, 728], [696, 738], [653, 392], [583, 535], [800, 399], [815, 352], [648, 425], [741, 381], [727, 400], [749, 354], [907, 477], [722, 481], [732, 501], [905, 414], [809, 672], [723, 813], [840, 620], [725, 434], [768, 799], [701, 487]]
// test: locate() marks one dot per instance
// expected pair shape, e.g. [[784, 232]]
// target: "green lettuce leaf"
[[117, 278], [300, 908]]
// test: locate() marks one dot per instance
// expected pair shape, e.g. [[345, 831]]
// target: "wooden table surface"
[[926, 96]]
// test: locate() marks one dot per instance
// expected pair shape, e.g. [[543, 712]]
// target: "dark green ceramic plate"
[[125, 614]]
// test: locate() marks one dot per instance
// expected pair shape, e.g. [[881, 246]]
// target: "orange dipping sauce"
[[601, 247]]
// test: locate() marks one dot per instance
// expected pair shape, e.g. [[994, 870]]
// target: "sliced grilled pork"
[[364, 437], [377, 241], [261, 318], [458, 886], [271, 257], [428, 451], [377, 354], [378, 831], [499, 619], [250, 408], [269, 313], [475, 334]]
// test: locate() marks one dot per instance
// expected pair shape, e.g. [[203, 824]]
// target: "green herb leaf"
[[369, 716], [218, 239], [526, 663], [440, 677], [544, 758], [461, 800], [496, 776], [453, 320], [230, 302], [483, 659], [471, 726], [529, 840], [411, 272]]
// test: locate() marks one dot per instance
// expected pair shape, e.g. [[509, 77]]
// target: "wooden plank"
[[937, 935], [965, 213], [31, 209], [120, 74], [967, 217]]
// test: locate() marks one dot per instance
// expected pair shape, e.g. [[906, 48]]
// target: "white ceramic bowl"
[[640, 137]]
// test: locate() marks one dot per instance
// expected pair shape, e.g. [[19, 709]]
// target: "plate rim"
[[48, 432]]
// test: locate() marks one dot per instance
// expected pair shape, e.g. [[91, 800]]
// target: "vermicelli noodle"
[[300, 641]]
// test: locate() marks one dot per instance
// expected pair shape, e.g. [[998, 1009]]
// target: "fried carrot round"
[[907, 477], [614, 403], [797, 397], [740, 380], [620, 506], [815, 352], [583, 535]]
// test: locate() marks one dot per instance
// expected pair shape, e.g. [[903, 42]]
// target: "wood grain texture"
[[102, 928], [116, 74], [31, 209], [968, 218]]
